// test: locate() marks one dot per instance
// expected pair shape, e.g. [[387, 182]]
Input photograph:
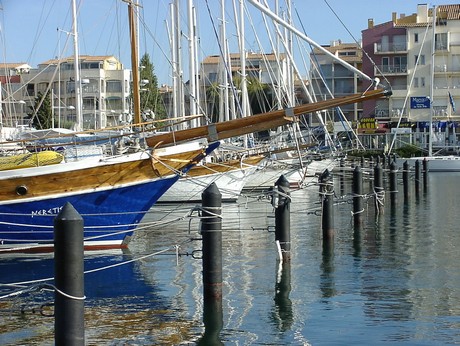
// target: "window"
[[420, 59], [113, 86], [416, 37], [30, 89], [400, 63], [212, 77], [416, 82], [422, 82], [385, 64], [441, 41]]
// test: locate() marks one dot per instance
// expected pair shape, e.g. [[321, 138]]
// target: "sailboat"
[[111, 192]]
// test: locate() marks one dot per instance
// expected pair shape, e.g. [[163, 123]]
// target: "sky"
[[33, 31]]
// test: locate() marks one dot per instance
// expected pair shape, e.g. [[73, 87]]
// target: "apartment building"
[[105, 89], [400, 54], [328, 77], [12, 105]]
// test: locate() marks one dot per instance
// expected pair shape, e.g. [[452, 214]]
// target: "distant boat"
[[230, 176], [446, 163], [268, 173]]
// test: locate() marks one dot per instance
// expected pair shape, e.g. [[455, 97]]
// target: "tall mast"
[[78, 98], [134, 63], [192, 61]]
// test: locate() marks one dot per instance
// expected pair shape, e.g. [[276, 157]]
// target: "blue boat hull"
[[109, 216]]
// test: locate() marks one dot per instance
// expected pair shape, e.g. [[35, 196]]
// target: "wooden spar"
[[259, 122], [134, 63]]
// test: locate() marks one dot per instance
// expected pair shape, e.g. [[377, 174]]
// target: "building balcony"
[[382, 113], [390, 70], [390, 48]]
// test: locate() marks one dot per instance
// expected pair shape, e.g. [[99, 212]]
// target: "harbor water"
[[393, 281]]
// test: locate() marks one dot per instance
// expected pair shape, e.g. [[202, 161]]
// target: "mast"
[[433, 50], [192, 61], [134, 63], [304, 37], [78, 98]]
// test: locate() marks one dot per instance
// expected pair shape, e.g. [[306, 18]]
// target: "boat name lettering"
[[51, 211]]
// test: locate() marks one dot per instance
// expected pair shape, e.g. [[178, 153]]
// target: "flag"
[[452, 103]]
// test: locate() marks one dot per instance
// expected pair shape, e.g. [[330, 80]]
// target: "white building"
[[105, 90]]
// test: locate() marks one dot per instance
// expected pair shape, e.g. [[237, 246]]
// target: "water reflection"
[[327, 282], [282, 314], [394, 280], [213, 322]]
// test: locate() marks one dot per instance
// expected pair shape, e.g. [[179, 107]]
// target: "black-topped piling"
[[211, 232], [425, 173], [358, 200], [327, 216], [406, 180], [418, 176], [69, 321], [393, 183], [283, 217], [379, 192]]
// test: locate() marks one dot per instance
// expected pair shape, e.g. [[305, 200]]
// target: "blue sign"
[[421, 102]]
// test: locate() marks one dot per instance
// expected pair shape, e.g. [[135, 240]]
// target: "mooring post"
[[342, 176], [406, 180], [379, 192], [211, 232], [362, 162], [69, 297], [358, 200], [418, 176], [425, 173], [393, 183], [327, 216], [283, 218]]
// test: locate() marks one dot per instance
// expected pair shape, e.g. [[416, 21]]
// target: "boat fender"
[[21, 190]]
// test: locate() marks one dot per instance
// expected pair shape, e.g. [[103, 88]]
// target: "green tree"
[[213, 96], [259, 96], [43, 112], [150, 98]]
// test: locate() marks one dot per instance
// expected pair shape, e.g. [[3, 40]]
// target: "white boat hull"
[[267, 175], [190, 188]]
